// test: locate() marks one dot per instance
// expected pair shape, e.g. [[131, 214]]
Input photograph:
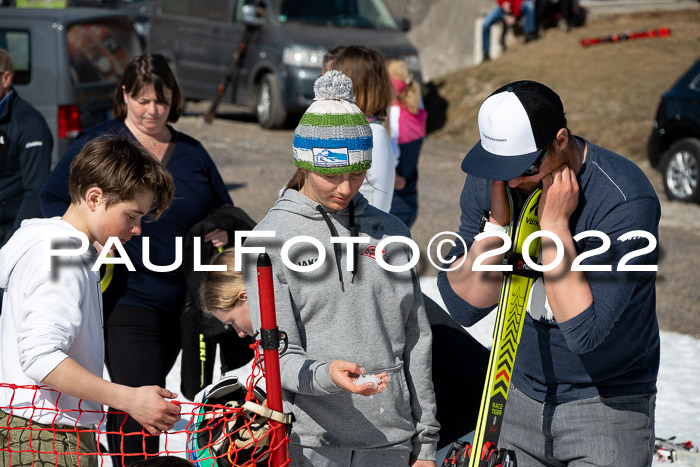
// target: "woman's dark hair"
[[144, 70]]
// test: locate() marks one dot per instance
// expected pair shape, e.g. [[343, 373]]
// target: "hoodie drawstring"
[[355, 246], [337, 247]]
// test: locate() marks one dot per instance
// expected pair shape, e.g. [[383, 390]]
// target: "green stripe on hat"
[[360, 166], [327, 120]]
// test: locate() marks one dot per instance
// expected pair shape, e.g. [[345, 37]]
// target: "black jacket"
[[25, 162]]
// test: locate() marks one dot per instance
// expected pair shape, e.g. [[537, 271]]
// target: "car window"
[[209, 9], [100, 51], [695, 84], [175, 7], [16, 42], [357, 13], [238, 13]]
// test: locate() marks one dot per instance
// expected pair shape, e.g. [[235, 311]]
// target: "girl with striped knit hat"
[[357, 370]]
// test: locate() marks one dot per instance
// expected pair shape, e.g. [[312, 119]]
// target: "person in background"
[[354, 328], [373, 92], [511, 11], [407, 122], [51, 330], [25, 155], [142, 307]]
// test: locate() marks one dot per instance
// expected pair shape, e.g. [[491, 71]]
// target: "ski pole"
[[626, 36], [270, 342]]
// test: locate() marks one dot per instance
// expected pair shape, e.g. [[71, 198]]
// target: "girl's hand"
[[217, 237], [344, 374], [399, 182]]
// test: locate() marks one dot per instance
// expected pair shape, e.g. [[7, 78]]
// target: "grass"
[[610, 91]]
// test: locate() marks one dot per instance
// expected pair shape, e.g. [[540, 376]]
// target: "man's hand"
[[147, 405], [344, 374], [559, 199]]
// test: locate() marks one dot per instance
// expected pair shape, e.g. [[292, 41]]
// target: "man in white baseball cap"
[[584, 381]]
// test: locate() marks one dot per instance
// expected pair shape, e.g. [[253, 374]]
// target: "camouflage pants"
[[26, 443]]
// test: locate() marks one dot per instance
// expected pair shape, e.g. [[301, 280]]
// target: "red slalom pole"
[[627, 36], [270, 342]]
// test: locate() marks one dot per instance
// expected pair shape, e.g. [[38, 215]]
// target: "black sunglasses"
[[534, 169]]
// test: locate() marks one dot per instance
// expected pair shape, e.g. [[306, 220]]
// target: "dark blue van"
[[285, 45]]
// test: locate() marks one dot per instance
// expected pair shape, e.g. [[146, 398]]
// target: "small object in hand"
[[364, 379]]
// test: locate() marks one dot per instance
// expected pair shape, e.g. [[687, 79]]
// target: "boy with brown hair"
[[51, 322]]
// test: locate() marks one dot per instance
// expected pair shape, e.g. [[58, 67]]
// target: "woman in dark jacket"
[[142, 325]]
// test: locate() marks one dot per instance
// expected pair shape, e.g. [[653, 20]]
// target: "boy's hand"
[[344, 373], [148, 406]]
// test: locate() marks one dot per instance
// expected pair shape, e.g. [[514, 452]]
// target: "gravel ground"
[[255, 163]]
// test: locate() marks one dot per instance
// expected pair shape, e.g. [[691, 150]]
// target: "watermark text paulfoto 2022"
[[441, 240]]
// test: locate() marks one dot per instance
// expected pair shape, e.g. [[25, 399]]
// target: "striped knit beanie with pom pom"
[[333, 136]]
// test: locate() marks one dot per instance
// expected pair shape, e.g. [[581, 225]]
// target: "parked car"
[[139, 10], [674, 143], [284, 47], [68, 63]]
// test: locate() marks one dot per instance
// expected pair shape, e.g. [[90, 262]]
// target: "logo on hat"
[[336, 157]]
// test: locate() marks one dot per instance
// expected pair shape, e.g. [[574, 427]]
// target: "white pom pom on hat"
[[333, 135]]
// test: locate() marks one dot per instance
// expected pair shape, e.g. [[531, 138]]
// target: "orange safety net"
[[215, 434]]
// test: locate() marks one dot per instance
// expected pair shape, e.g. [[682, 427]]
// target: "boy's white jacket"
[[48, 316], [378, 321]]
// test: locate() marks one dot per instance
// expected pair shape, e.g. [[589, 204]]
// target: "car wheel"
[[270, 109], [681, 170]]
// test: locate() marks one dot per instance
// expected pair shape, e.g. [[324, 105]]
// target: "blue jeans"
[[404, 204], [527, 9], [601, 431]]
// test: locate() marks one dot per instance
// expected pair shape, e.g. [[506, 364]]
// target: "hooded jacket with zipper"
[[375, 318], [48, 316], [25, 162]]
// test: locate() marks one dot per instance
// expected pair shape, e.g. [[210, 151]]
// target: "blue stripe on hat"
[[362, 143]]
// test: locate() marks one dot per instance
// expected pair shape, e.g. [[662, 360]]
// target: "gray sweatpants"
[[301, 456], [601, 431]]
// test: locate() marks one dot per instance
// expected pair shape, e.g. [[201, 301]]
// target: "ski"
[[668, 450], [626, 36], [515, 290]]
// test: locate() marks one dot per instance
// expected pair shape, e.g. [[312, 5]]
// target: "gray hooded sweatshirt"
[[375, 318]]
